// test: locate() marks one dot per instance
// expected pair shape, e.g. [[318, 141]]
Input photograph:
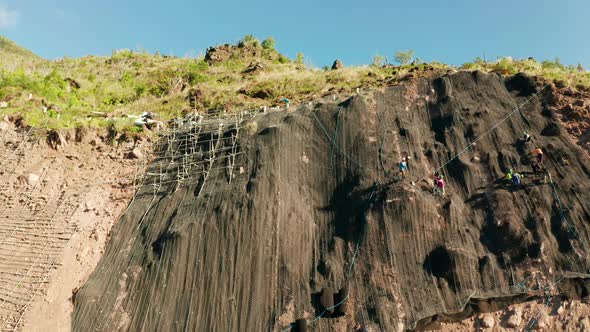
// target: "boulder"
[[29, 179], [90, 205], [585, 324], [254, 67], [514, 319], [218, 53], [55, 139], [134, 154], [72, 84], [560, 310], [579, 103], [487, 322], [337, 65], [3, 104]]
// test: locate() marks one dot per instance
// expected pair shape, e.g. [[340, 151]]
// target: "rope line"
[[335, 137], [334, 143], [376, 184], [381, 159], [485, 134]]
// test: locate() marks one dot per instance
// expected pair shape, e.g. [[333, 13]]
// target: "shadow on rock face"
[[441, 264], [349, 204], [521, 83]]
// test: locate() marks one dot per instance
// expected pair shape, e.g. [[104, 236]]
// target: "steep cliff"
[[314, 207]]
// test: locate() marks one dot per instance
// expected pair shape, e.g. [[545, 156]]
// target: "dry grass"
[[131, 82]]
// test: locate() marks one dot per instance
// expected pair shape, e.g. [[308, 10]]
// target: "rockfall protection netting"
[[252, 221]]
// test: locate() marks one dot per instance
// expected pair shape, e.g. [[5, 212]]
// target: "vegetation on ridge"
[[95, 91]]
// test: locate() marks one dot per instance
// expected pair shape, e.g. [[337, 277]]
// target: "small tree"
[[248, 40], [378, 60], [300, 58], [403, 57], [269, 43]]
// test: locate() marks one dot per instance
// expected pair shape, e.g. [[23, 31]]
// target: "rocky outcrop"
[[218, 54], [572, 108], [337, 65], [319, 208]]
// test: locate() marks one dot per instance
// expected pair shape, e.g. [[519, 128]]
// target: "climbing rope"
[[353, 260], [334, 143], [335, 137], [376, 185], [381, 145], [484, 134]]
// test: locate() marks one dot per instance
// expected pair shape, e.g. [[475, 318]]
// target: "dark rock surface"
[[253, 254]]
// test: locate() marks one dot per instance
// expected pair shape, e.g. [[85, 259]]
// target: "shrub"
[[378, 60], [283, 59], [269, 43], [196, 72], [403, 57], [140, 90], [300, 58], [249, 40], [127, 79]]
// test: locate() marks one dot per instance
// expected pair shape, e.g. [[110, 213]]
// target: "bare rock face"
[[211, 254], [337, 65], [585, 324], [218, 53]]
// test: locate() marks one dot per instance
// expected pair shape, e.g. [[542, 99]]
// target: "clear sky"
[[451, 31]]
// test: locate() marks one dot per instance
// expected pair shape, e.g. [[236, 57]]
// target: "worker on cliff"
[[440, 187], [286, 101], [439, 184], [403, 168], [516, 180], [508, 177], [538, 153]]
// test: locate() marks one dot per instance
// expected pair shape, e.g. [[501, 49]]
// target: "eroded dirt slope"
[[57, 209], [315, 205]]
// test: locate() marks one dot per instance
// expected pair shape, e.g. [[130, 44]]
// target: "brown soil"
[[572, 108], [58, 207]]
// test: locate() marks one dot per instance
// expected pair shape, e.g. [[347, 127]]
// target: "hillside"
[[263, 222], [233, 211], [101, 92], [10, 50]]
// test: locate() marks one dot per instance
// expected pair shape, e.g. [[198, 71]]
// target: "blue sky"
[[451, 31]]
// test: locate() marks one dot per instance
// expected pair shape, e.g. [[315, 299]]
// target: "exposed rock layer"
[[257, 253]]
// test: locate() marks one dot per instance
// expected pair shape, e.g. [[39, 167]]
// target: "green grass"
[[130, 82], [547, 69]]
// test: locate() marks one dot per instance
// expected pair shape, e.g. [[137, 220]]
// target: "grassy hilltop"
[[97, 91]]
